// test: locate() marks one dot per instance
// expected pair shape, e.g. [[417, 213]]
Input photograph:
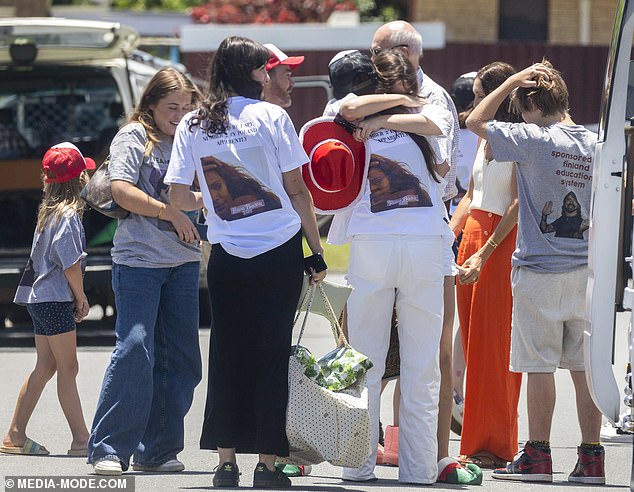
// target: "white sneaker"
[[107, 467], [170, 466]]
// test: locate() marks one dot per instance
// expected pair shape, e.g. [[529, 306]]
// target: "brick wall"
[[564, 25], [602, 15], [477, 20], [466, 20]]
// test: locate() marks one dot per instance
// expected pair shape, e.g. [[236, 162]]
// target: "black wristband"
[[316, 262]]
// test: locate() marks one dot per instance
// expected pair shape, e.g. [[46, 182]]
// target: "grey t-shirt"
[[60, 245], [142, 241], [554, 179]]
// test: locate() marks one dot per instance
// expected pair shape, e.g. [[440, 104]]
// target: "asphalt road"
[[48, 426]]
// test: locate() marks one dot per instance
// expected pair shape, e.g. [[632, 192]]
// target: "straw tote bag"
[[323, 424]]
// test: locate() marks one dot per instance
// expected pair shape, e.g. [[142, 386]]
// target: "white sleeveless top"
[[491, 183]]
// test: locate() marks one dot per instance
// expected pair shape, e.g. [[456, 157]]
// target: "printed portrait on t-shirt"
[[393, 186], [234, 192], [570, 224]]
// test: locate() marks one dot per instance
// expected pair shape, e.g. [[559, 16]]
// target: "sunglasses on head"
[[376, 51]]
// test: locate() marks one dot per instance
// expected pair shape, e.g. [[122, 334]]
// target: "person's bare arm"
[[460, 215], [356, 107], [76, 281], [485, 111], [401, 122], [138, 202], [303, 204], [183, 198], [472, 267]]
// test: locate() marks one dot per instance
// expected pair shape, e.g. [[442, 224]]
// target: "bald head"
[[400, 25], [400, 35]]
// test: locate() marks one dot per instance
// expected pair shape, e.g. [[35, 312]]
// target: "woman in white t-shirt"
[[397, 255], [247, 158]]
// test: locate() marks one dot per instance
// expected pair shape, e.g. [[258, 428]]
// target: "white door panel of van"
[[606, 219]]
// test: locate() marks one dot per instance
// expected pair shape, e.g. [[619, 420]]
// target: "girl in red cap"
[[52, 289]]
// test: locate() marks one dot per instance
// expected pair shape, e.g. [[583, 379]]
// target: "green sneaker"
[[294, 470], [451, 471]]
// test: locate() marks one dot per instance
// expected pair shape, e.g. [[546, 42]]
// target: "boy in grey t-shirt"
[[554, 159]]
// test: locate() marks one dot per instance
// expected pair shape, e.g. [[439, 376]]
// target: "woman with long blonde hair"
[[149, 384]]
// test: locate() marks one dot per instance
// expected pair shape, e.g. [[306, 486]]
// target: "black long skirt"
[[253, 302]]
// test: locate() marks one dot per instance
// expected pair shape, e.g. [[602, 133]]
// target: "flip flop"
[[77, 452], [483, 459], [29, 447]]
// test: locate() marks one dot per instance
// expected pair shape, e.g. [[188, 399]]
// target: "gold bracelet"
[[492, 243], [163, 207]]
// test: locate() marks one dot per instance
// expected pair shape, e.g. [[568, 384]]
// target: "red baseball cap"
[[63, 162], [278, 57], [338, 165]]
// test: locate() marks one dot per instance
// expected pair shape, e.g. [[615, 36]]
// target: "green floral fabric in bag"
[[336, 370]]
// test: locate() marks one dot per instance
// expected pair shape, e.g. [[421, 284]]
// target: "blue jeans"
[[149, 384]]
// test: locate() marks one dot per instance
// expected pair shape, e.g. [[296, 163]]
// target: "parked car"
[[62, 80]]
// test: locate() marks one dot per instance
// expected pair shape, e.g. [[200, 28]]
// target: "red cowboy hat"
[[338, 164]]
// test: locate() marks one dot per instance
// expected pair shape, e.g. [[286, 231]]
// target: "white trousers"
[[408, 270]]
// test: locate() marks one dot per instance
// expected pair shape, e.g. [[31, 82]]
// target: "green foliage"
[[382, 10]]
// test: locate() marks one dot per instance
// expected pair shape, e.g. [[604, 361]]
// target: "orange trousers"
[[484, 311]]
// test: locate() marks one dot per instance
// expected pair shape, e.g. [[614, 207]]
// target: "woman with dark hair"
[[149, 384], [397, 106], [398, 221], [256, 267], [488, 214]]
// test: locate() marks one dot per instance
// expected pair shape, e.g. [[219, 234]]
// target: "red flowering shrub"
[[268, 11]]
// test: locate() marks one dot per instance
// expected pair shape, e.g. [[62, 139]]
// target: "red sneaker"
[[590, 466], [533, 464]]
